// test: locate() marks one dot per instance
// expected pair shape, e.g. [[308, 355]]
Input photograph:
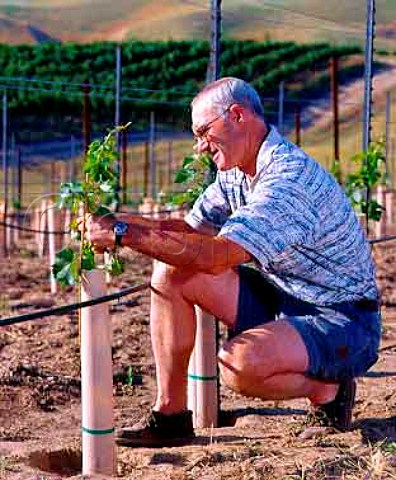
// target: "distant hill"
[[92, 20]]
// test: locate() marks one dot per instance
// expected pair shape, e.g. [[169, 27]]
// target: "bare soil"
[[40, 405]]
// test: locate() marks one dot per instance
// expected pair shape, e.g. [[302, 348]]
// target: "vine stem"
[[80, 257]]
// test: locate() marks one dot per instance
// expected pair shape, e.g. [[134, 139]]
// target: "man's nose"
[[201, 145]]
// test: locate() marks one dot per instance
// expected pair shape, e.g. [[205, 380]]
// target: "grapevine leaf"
[[106, 187], [116, 266], [183, 176], [65, 269], [65, 255], [187, 161], [103, 211], [95, 193], [371, 169], [69, 194], [88, 258]]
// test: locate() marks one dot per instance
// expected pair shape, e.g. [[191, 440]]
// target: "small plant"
[[4, 304], [197, 173], [389, 447], [7, 465], [17, 204], [129, 376], [335, 170], [370, 173], [96, 195]]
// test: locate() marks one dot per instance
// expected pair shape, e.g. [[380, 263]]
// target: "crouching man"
[[273, 250]]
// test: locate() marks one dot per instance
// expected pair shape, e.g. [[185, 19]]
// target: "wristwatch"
[[120, 229]]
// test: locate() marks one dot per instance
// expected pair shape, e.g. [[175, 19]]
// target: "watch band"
[[118, 240], [120, 229]]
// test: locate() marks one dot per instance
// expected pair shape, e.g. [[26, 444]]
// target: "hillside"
[[92, 20]]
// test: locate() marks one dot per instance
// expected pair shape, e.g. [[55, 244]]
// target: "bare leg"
[[267, 362], [174, 294]]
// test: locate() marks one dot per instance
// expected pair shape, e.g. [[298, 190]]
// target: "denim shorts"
[[342, 340]]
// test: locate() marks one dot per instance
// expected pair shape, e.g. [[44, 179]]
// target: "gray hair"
[[224, 92]]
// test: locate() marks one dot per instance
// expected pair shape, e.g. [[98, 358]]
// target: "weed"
[[7, 465]]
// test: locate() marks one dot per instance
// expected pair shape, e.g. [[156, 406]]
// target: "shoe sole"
[[151, 443]]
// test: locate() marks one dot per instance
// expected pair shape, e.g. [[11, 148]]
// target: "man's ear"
[[238, 112]]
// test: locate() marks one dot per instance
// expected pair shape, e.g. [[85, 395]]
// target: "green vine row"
[[54, 72]]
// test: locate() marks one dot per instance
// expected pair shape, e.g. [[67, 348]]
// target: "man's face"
[[216, 132]]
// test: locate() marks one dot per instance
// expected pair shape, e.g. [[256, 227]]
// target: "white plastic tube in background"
[[43, 225], [51, 243]]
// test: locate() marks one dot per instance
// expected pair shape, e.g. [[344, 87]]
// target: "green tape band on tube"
[[98, 432], [203, 379]]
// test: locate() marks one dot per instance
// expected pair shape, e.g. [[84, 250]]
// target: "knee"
[[234, 368], [171, 282], [165, 276]]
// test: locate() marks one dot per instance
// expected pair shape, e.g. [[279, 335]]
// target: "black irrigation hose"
[[66, 232], [32, 230], [383, 239], [71, 307]]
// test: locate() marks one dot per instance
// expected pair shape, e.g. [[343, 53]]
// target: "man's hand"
[[99, 231]]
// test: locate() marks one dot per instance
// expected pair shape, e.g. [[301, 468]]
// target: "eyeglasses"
[[201, 132]]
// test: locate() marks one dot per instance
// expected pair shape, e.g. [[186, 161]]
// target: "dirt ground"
[[40, 410]]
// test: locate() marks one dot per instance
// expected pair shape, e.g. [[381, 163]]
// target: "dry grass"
[[318, 140], [286, 20], [44, 179], [172, 20], [351, 463]]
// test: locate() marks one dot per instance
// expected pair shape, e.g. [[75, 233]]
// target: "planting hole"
[[63, 462]]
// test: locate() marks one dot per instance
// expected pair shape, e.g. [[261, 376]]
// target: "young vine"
[[371, 171], [96, 194], [197, 174]]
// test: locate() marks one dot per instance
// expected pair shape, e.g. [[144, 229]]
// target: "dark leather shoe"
[[338, 412], [158, 430]]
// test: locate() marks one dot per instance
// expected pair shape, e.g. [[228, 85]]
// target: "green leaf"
[[65, 268], [69, 194], [183, 176], [187, 161], [116, 266], [68, 275], [103, 211], [371, 169], [17, 204], [129, 378], [107, 187], [66, 255], [88, 258], [94, 193]]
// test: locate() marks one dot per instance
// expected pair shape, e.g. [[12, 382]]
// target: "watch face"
[[120, 228]]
